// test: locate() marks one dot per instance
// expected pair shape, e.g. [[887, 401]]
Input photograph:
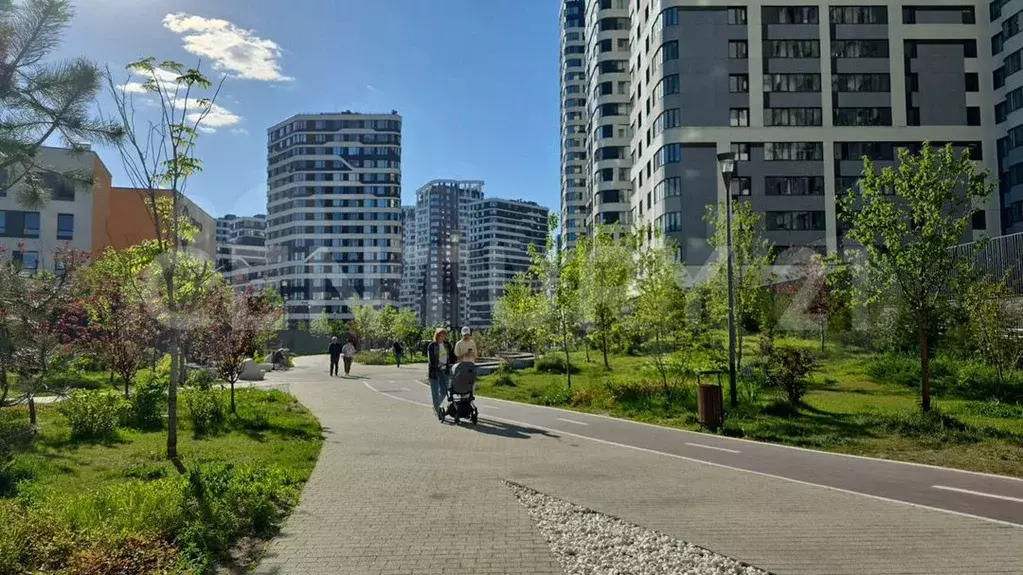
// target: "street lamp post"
[[727, 163]]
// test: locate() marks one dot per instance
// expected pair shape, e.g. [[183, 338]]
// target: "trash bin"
[[710, 406]]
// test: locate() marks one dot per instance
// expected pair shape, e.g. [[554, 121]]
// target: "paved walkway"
[[396, 492]]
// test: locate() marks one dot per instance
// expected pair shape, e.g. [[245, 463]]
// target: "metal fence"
[[1001, 257]]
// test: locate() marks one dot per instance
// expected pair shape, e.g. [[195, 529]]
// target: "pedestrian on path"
[[334, 349], [399, 353], [465, 349], [348, 351], [439, 355]]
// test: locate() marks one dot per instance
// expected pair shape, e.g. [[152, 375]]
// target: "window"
[[741, 152], [65, 226], [667, 51], [27, 261], [738, 49], [668, 154], [5, 177], [795, 221], [737, 16], [859, 49], [790, 15], [794, 185], [61, 187], [859, 15], [738, 117], [667, 120], [792, 49], [670, 84], [3, 223], [792, 117], [972, 116], [996, 8], [856, 151], [861, 83], [671, 222], [668, 17], [613, 66], [31, 225], [792, 82], [793, 151], [863, 116], [739, 186], [979, 220], [738, 83], [938, 15], [668, 187], [972, 82]]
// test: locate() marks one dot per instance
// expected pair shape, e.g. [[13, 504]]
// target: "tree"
[[365, 323], [824, 293], [519, 314], [751, 255], [558, 281], [12, 292], [40, 100], [992, 315], [605, 275], [404, 328], [322, 326], [908, 219], [659, 308], [159, 158], [49, 321], [121, 327]]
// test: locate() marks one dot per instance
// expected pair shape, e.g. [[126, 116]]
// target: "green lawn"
[[845, 410], [95, 497]]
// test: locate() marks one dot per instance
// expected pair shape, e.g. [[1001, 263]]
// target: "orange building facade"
[[123, 219]]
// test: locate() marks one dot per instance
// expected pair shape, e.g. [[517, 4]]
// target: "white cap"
[[466, 330]]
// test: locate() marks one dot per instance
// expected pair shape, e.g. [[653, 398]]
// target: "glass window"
[[738, 117], [27, 261], [741, 152], [738, 49], [736, 15], [738, 83], [31, 225], [65, 226], [3, 222]]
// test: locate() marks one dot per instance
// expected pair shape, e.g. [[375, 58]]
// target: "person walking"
[[334, 349], [440, 355], [399, 352], [348, 353], [465, 349]]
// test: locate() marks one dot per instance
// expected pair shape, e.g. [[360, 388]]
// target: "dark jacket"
[[398, 349], [433, 356], [335, 349]]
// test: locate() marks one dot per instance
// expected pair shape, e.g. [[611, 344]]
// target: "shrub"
[[148, 401], [72, 380], [374, 358], [205, 409], [93, 415], [588, 396], [199, 379], [503, 379], [554, 363], [30, 539], [895, 369], [749, 389], [130, 557], [790, 370], [632, 391], [555, 394]]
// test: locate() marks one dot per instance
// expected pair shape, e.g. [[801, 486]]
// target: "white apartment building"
[[574, 119], [241, 248], [411, 274], [334, 211], [31, 236], [1006, 17]]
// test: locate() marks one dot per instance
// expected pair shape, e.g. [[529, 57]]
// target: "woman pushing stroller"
[[440, 355]]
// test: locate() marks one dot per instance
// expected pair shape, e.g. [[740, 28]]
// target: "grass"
[[386, 358], [845, 410], [97, 497]]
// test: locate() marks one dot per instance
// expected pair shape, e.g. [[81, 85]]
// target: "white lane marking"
[[571, 421], [730, 467], [978, 493], [712, 447], [404, 389], [764, 443]]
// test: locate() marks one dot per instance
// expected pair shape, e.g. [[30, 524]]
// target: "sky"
[[476, 82]]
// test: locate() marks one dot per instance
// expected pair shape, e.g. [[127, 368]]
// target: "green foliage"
[[93, 415], [206, 410], [149, 401], [908, 218], [200, 379], [790, 370], [519, 314], [553, 363], [605, 270]]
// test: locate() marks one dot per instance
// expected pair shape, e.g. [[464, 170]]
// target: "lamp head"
[[727, 163]]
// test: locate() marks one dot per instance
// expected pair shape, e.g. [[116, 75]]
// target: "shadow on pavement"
[[499, 429]]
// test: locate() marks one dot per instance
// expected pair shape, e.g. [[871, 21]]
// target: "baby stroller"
[[461, 396]]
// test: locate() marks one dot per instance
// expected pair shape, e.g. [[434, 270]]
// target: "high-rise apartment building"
[[438, 291], [241, 248], [411, 275], [502, 233], [574, 119], [799, 93], [1006, 18], [334, 211]]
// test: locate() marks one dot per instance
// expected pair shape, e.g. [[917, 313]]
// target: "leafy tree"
[[790, 370], [365, 323], [824, 292], [751, 255], [908, 219], [519, 314], [41, 100], [322, 326], [558, 280], [659, 308], [159, 157], [992, 315], [607, 269], [404, 328]]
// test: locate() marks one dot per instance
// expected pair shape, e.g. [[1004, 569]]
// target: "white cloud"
[[232, 49]]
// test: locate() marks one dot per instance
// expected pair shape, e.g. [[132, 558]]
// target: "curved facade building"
[[1007, 45], [334, 211], [574, 166]]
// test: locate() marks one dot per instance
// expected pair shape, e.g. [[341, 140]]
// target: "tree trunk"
[[172, 399], [824, 331], [586, 346], [4, 385], [233, 410], [32, 410], [126, 381], [568, 357], [738, 350], [925, 372], [603, 348]]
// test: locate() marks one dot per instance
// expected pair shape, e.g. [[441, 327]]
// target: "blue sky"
[[476, 82]]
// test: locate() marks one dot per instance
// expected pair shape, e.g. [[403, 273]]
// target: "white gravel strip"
[[590, 543]]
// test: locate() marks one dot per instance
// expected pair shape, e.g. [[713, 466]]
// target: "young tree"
[[605, 275], [751, 255], [558, 281], [519, 314], [159, 157], [12, 292], [823, 293], [322, 326], [908, 219], [365, 323], [659, 308], [39, 99], [404, 328], [992, 316]]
